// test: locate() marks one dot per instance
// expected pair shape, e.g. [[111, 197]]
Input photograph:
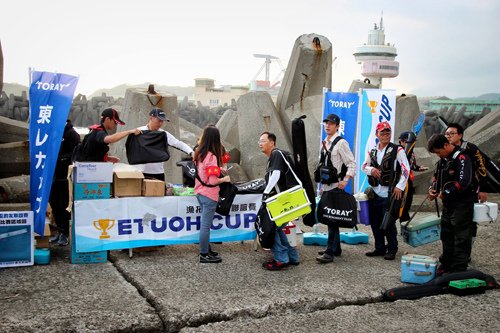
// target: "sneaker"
[[390, 256], [325, 258], [63, 240], [54, 238], [374, 254], [274, 265], [207, 258], [336, 254], [212, 253]]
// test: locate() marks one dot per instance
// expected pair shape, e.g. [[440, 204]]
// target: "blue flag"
[[51, 95], [344, 105]]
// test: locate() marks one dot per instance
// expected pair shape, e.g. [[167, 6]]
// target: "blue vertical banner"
[[377, 105], [344, 105], [51, 95]]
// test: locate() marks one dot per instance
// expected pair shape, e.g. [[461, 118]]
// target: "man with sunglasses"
[[96, 143], [455, 133], [387, 169]]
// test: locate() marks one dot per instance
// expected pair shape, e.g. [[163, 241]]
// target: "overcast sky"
[[445, 47]]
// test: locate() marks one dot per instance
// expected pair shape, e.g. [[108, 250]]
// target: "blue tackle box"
[[354, 237], [421, 231], [417, 268], [315, 238]]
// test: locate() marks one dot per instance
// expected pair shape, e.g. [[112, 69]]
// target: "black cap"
[[158, 113], [333, 118], [113, 114], [406, 136]]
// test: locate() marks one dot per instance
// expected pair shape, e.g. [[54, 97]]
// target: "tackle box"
[[418, 269], [420, 231]]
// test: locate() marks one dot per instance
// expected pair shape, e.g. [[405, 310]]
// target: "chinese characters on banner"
[[359, 115], [344, 105], [51, 95]]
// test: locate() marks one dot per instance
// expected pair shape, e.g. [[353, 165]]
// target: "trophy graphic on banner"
[[104, 225], [372, 105]]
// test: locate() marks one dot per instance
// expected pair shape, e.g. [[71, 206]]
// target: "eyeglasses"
[[385, 133], [450, 133], [262, 141]]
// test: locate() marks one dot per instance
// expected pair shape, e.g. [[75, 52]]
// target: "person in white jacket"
[[156, 119]]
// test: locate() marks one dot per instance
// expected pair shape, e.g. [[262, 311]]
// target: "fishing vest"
[[388, 173]]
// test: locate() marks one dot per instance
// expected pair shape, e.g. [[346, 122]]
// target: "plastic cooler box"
[[288, 205], [417, 268], [486, 212], [421, 231]]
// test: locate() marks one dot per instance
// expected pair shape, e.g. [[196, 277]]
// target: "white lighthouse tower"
[[376, 57]]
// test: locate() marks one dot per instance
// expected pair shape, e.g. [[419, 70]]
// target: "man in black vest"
[[455, 133], [454, 183], [99, 138], [339, 154], [388, 169]]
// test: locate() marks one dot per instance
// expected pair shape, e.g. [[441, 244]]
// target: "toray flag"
[[51, 95], [344, 105], [376, 106]]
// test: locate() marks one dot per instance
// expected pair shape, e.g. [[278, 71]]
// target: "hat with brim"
[[112, 114], [158, 113], [333, 118]]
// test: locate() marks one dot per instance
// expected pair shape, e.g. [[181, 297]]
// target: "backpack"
[[325, 172], [81, 151]]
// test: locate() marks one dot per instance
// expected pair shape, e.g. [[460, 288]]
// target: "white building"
[[206, 93], [376, 57]]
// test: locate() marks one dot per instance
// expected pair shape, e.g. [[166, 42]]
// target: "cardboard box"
[[93, 172], [87, 257], [43, 243], [91, 191], [127, 183], [153, 188]]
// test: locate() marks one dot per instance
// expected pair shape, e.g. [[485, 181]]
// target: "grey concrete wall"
[[256, 114], [309, 70], [407, 111]]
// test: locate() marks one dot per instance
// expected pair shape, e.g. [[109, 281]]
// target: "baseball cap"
[[113, 114], [333, 118], [383, 126], [158, 113]]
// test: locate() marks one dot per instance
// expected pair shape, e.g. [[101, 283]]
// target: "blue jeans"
[[378, 206], [207, 217], [282, 250], [333, 243]]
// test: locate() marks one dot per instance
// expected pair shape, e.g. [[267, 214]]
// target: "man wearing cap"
[[156, 119], [339, 155], [387, 169], [99, 139]]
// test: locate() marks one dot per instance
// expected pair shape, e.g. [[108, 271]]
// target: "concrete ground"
[[168, 290]]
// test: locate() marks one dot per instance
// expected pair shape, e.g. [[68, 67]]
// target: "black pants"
[[457, 229], [378, 206], [59, 199]]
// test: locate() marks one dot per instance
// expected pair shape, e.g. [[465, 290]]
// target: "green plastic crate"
[[468, 283]]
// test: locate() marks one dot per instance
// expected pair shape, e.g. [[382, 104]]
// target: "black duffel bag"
[[265, 228], [338, 208], [148, 147]]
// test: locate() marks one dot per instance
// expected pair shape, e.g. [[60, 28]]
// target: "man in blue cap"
[[156, 119], [335, 152]]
